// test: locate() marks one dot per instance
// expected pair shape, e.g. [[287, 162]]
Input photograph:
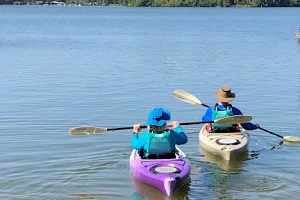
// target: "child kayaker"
[[158, 141], [225, 109]]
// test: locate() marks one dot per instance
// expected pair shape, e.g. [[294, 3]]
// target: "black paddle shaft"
[[190, 123], [203, 104], [270, 132], [144, 126], [124, 128]]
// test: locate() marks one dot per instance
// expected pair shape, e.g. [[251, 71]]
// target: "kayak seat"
[[142, 154], [234, 128]]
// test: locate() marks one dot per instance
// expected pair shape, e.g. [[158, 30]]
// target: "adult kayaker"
[[158, 141], [224, 109]]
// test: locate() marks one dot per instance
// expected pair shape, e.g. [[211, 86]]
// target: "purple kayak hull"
[[167, 175]]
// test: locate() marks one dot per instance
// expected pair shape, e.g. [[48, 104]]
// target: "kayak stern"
[[166, 175]]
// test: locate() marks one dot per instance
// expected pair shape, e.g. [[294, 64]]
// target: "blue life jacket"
[[217, 114], [159, 143]]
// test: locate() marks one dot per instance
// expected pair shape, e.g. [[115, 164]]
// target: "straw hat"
[[225, 94]]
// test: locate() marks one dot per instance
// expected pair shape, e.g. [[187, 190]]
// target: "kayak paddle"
[[88, 130], [188, 98], [191, 99], [287, 138]]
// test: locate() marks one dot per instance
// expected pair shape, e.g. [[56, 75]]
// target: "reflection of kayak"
[[226, 165], [226, 145], [145, 191], [167, 175]]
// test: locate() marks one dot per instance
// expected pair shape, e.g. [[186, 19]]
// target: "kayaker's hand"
[[137, 128], [175, 124]]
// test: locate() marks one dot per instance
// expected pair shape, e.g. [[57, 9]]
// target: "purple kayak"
[[167, 175]]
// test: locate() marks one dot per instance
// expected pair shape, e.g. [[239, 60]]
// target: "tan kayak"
[[226, 145]]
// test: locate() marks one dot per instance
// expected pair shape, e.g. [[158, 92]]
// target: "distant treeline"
[[168, 3]]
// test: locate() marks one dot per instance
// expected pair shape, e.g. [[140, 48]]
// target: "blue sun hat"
[[158, 116]]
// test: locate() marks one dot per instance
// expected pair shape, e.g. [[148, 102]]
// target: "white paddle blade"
[[186, 97], [236, 119], [86, 130], [291, 139]]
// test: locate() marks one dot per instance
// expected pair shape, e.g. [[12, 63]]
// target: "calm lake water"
[[63, 67]]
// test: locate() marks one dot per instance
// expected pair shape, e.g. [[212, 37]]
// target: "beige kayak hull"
[[210, 142]]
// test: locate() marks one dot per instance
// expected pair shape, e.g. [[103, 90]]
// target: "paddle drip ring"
[[225, 141], [164, 170]]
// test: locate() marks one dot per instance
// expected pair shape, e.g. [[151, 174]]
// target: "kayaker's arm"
[[208, 115], [181, 137], [138, 142], [248, 125]]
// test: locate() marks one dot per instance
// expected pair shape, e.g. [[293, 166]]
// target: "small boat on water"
[[227, 145], [167, 175]]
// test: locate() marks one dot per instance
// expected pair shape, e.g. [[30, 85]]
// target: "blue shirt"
[[209, 112], [176, 137]]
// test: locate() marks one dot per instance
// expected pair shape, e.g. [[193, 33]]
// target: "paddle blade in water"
[[86, 130], [236, 119], [186, 97], [291, 139]]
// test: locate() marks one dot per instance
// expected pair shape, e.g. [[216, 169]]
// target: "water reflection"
[[145, 191], [233, 165], [91, 197], [218, 172]]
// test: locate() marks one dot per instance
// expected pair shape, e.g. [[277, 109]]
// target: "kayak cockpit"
[[233, 129], [173, 154]]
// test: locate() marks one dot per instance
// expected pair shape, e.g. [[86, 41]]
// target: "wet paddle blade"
[[236, 119], [186, 97], [291, 139], [86, 130]]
